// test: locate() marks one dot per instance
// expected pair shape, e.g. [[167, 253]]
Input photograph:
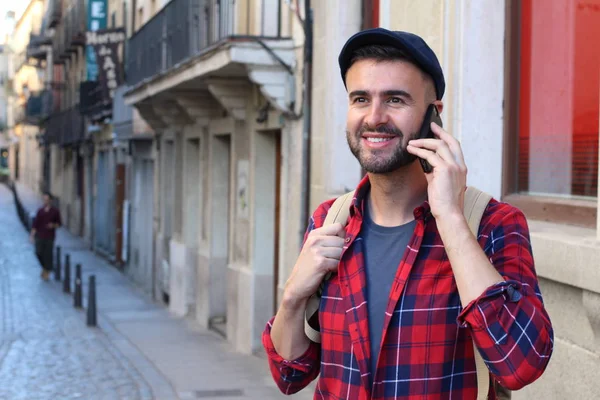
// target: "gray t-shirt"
[[384, 249]]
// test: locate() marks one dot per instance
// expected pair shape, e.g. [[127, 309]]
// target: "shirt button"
[[348, 239]]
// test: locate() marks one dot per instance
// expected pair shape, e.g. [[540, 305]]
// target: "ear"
[[439, 105]]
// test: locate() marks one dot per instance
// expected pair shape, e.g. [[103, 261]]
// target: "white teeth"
[[378, 140]]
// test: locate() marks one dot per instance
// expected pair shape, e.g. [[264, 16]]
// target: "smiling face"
[[387, 102]]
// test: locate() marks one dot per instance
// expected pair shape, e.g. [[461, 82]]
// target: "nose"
[[377, 114]]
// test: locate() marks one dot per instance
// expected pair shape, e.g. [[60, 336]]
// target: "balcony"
[[75, 26], [70, 33], [185, 29], [38, 47], [65, 128], [38, 107], [54, 13], [58, 46]]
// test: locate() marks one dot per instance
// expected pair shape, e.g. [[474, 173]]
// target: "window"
[[553, 92]]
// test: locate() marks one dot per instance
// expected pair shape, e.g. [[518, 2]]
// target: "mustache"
[[389, 130]]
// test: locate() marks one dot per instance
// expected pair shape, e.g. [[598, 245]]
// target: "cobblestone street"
[[138, 351], [47, 351]]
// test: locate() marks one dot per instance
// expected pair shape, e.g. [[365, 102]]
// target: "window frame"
[[579, 212]]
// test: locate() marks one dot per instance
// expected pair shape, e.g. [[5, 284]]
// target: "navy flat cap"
[[413, 45]]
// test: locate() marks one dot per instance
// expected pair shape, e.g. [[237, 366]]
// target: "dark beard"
[[370, 161]]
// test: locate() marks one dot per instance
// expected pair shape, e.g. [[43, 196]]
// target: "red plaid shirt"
[[426, 347]]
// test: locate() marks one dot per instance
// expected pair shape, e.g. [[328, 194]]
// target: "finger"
[[428, 155], [335, 253], [438, 146], [330, 241], [330, 264], [451, 141], [328, 230]]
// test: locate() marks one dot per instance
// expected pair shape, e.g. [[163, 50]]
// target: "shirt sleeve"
[[509, 323], [291, 376]]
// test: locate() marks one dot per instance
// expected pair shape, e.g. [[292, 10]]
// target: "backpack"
[[476, 202]]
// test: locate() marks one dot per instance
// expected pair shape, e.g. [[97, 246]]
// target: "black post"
[[91, 310], [67, 277], [57, 267], [77, 298]]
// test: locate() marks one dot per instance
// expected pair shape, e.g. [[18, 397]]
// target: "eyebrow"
[[394, 92]]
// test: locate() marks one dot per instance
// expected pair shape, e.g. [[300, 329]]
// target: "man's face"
[[46, 200], [386, 108]]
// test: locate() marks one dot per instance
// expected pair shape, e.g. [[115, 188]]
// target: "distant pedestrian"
[[43, 233]]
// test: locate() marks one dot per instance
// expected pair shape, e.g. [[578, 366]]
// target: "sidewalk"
[[176, 358]]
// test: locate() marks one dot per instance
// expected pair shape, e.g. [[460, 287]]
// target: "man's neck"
[[394, 196]]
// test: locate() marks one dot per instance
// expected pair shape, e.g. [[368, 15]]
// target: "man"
[[412, 287], [43, 231]]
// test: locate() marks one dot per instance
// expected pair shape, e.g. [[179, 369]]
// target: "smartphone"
[[431, 115]]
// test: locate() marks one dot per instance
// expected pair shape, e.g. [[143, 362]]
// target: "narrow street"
[[138, 350]]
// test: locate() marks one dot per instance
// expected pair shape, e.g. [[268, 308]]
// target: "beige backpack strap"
[[339, 212], [476, 202]]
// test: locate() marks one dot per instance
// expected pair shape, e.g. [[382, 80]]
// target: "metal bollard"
[[91, 310], [67, 277], [57, 267], [77, 297]]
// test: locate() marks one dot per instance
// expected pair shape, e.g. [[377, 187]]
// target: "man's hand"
[[448, 180], [50, 225], [473, 272], [320, 254], [32, 238]]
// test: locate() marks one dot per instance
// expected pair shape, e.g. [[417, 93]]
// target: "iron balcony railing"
[[65, 128], [184, 29], [75, 26], [70, 33], [38, 107], [53, 13], [58, 45], [38, 45]]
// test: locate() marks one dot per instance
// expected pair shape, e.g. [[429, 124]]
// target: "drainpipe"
[[370, 17], [375, 14], [306, 142]]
